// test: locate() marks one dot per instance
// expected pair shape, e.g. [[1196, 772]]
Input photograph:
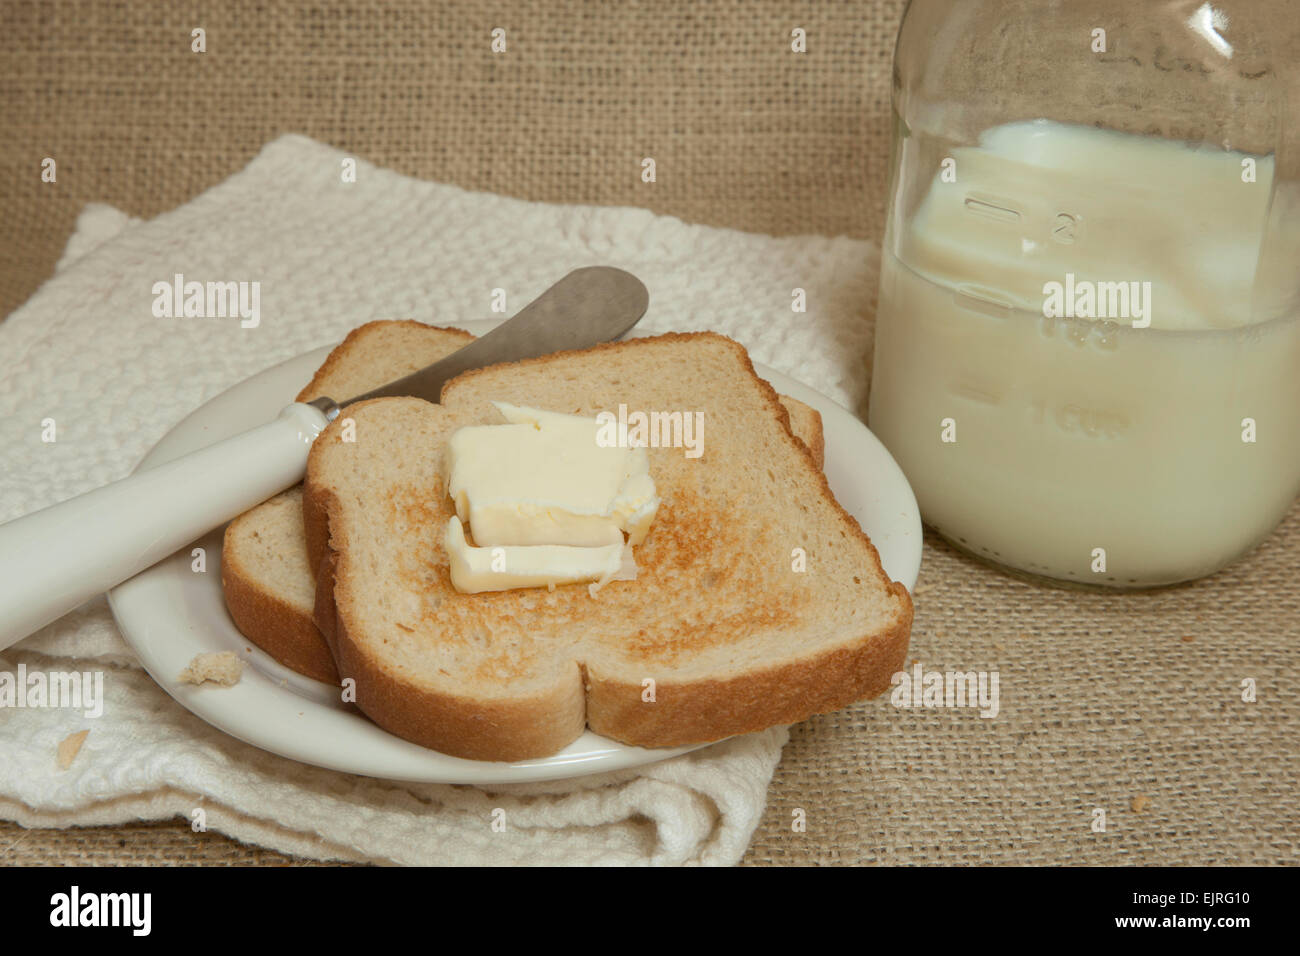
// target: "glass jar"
[[1087, 356]]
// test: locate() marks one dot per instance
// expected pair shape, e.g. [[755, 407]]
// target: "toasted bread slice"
[[269, 585], [720, 634]]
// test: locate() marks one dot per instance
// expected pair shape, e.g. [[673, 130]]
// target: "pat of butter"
[[545, 479], [501, 568]]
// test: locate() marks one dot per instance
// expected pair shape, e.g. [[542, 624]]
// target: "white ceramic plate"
[[169, 613]]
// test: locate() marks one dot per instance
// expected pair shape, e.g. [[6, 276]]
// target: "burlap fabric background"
[[1131, 703]]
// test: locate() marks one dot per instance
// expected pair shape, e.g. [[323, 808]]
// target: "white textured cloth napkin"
[[87, 351]]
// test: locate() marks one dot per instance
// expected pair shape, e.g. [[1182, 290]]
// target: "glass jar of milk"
[[1087, 356]]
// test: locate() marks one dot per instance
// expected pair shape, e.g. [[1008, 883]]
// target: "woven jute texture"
[[1127, 703]]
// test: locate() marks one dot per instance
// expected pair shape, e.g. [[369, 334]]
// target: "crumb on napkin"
[[69, 747], [224, 668]]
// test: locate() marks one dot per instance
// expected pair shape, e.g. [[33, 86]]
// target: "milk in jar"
[[1083, 363]]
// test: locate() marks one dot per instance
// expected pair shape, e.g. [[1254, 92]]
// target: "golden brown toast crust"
[[811, 434], [688, 711]]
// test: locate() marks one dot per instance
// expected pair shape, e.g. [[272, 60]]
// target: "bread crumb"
[[998, 647], [223, 668], [1188, 638], [920, 589], [69, 747], [1139, 803]]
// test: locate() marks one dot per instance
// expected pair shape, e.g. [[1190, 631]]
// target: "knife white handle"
[[55, 559]]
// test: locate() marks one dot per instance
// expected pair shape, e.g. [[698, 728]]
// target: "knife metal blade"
[[588, 306]]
